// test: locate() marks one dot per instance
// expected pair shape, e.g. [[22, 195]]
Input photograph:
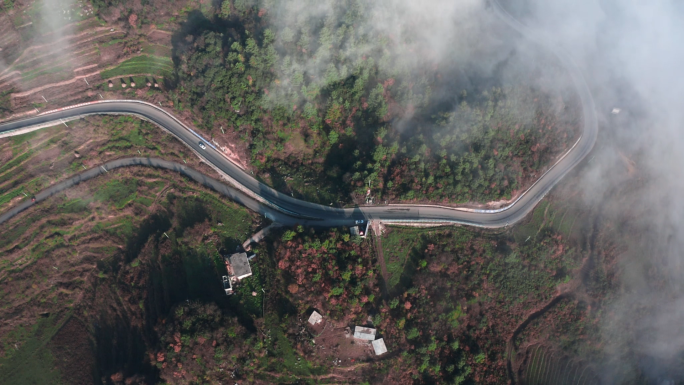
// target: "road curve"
[[285, 209]]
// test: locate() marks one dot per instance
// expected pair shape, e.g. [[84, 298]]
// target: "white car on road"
[[202, 146]]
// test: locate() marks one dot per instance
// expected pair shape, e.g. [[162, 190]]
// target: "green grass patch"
[[396, 247], [287, 360], [243, 293], [32, 362], [5, 102], [118, 192], [14, 232], [48, 245], [122, 228], [16, 161], [111, 42], [235, 220], [5, 198], [29, 187], [157, 50], [155, 65], [45, 70], [529, 230], [145, 201]]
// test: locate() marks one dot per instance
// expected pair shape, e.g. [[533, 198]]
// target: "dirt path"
[[377, 238], [325, 376]]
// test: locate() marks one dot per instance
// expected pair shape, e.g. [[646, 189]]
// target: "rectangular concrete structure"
[[315, 318], [379, 346], [363, 333], [238, 266]]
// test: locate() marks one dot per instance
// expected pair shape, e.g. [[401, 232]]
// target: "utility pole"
[[44, 98], [86, 82]]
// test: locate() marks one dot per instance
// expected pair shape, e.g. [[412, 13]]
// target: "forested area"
[[329, 107]]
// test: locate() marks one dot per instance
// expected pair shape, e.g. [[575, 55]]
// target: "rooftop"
[[238, 265], [315, 318], [363, 333], [379, 346]]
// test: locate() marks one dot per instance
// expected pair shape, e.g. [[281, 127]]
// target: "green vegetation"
[[96, 224], [143, 64], [119, 191], [316, 112], [457, 287], [47, 69], [397, 247], [32, 363], [5, 102], [559, 217], [328, 263]]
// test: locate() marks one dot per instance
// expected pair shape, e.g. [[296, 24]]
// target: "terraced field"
[[547, 367], [143, 64], [47, 65], [33, 161], [53, 256], [556, 215]]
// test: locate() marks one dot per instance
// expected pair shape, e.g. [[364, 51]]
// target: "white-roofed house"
[[379, 346], [238, 266], [364, 333], [315, 318]]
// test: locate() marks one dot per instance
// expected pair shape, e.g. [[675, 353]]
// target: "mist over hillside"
[[631, 55], [436, 102]]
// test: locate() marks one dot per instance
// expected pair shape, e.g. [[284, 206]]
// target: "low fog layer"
[[54, 21], [632, 54], [462, 42]]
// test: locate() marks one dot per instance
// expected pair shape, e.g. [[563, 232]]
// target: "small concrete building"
[[315, 318], [238, 266], [363, 333], [379, 346], [238, 269]]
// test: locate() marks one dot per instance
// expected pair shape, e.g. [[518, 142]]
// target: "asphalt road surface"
[[287, 210]]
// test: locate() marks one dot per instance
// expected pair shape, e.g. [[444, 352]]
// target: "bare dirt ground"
[[336, 343]]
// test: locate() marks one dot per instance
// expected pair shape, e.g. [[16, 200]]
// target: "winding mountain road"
[[287, 210]]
